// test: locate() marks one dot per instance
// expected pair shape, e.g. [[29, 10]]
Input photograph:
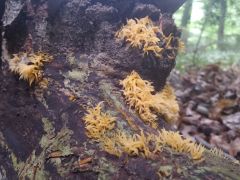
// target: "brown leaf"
[[55, 154], [235, 147], [189, 111], [188, 131], [220, 142], [220, 106], [194, 119], [83, 165], [85, 161], [208, 126], [232, 121]]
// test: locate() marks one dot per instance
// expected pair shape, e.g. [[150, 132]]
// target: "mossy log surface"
[[42, 132]]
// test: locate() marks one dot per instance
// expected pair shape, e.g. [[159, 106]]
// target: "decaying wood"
[[42, 132]]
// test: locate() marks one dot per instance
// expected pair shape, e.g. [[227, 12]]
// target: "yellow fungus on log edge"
[[98, 124], [120, 142], [139, 144], [175, 141], [139, 95], [218, 152]]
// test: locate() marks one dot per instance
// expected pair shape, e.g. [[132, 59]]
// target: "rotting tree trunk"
[[42, 134]]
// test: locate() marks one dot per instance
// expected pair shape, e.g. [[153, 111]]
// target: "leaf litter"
[[209, 98]]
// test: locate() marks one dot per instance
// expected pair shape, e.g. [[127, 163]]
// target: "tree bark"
[[223, 11], [204, 24], [186, 17], [42, 132], [187, 13]]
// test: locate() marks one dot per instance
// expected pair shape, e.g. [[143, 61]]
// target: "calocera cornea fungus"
[[178, 143], [139, 95], [149, 38], [29, 66], [110, 145], [98, 123], [141, 33], [139, 144], [175, 141], [133, 145], [218, 152], [166, 104]]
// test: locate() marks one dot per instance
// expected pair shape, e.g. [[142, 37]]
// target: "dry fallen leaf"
[[220, 106], [83, 164], [232, 121], [235, 147], [85, 161], [55, 154], [210, 105], [220, 142]]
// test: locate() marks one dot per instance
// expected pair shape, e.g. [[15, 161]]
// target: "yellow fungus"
[[98, 125], [144, 35], [175, 141], [110, 145], [141, 33], [97, 122], [29, 66], [139, 95]]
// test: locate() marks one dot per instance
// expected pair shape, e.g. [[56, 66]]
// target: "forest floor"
[[209, 98]]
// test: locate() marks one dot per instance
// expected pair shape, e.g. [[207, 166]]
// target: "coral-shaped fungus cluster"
[[133, 145], [149, 145], [29, 66], [144, 35], [139, 96], [219, 153], [98, 124], [175, 141]]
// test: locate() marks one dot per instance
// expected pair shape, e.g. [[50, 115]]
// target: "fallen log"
[[42, 128]]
